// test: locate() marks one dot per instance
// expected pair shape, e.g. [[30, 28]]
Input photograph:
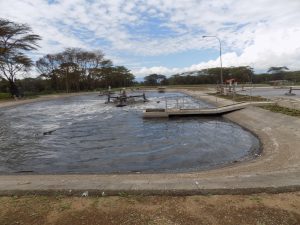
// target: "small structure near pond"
[[290, 92], [161, 89], [124, 99]]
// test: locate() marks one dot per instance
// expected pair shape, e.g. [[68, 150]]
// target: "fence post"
[[166, 103]]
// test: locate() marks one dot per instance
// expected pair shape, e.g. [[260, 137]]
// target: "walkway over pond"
[[164, 113]]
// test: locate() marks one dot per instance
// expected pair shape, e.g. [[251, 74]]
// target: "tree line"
[[71, 70], [76, 70], [242, 74]]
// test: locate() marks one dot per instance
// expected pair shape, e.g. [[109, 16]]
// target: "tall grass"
[[4, 96]]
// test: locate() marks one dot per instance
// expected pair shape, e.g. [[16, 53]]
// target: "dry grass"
[[226, 209]]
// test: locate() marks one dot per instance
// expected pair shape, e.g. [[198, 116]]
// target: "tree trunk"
[[13, 89], [67, 82]]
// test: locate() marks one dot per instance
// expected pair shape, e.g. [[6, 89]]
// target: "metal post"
[[166, 103], [221, 63]]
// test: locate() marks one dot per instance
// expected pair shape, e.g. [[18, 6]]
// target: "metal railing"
[[197, 101]]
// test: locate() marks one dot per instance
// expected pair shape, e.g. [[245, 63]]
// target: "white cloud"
[[259, 33]]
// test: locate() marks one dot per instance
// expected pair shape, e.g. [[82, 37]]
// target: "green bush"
[[4, 96]]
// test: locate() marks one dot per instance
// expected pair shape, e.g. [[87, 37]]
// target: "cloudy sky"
[[165, 36]]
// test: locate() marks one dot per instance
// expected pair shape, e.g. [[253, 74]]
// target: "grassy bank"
[[5, 96], [241, 98], [261, 209], [27, 95], [283, 110], [32, 95]]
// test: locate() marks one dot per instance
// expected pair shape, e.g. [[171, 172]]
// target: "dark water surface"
[[84, 135]]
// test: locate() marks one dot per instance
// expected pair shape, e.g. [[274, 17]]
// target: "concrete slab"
[[151, 113]]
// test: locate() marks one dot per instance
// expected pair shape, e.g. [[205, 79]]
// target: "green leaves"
[[77, 68], [15, 41]]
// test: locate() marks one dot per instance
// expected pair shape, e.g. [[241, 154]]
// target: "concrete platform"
[[276, 170], [165, 113]]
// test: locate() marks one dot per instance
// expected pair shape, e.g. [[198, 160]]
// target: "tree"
[[76, 69], [155, 79], [279, 69], [212, 76], [277, 72], [15, 41], [123, 76], [70, 74], [71, 68]]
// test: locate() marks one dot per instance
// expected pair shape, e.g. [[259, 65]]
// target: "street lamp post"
[[221, 73]]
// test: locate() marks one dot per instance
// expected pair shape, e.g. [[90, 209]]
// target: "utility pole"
[[221, 72]]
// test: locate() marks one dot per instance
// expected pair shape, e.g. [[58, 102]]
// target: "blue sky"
[[165, 36]]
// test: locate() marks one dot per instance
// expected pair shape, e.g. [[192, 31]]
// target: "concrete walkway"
[[218, 111], [276, 170]]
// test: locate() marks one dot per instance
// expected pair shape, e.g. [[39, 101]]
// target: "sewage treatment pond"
[[82, 134]]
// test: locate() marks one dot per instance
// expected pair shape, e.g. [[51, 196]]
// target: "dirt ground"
[[260, 209]]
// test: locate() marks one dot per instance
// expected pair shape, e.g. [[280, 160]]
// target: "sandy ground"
[[261, 209]]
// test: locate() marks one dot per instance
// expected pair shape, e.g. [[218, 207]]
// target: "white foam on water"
[[107, 117], [49, 127]]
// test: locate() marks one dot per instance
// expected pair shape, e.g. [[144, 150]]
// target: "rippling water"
[[84, 135]]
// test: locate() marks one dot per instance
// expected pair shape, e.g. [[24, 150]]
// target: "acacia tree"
[[68, 69], [277, 72], [48, 66], [155, 79], [278, 69], [76, 69], [90, 63], [15, 40], [101, 75]]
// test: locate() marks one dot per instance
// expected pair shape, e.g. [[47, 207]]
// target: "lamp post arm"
[[221, 63]]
